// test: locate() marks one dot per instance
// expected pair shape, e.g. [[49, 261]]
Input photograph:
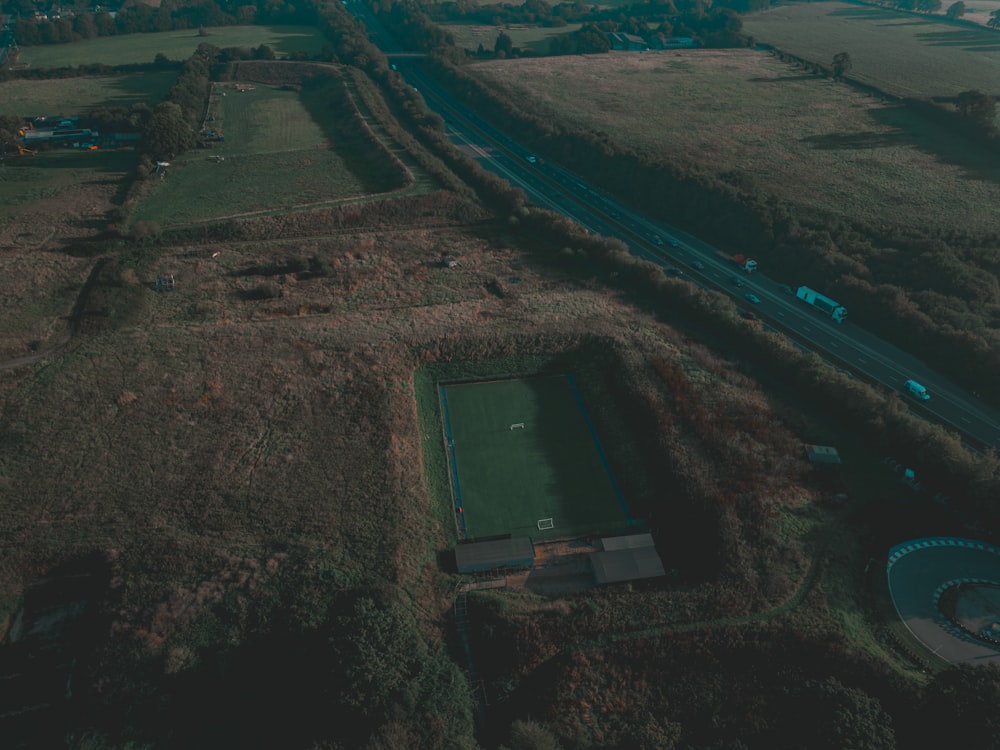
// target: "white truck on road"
[[832, 308]]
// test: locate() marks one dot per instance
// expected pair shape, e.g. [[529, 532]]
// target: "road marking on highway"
[[834, 344]]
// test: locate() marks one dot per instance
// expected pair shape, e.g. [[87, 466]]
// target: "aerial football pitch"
[[525, 460]]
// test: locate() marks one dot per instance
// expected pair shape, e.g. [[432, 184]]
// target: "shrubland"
[[240, 468]]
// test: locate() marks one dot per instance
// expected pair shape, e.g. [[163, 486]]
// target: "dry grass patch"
[[74, 96], [47, 201], [217, 428], [767, 126]]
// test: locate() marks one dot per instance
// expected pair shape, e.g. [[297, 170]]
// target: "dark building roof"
[[824, 455], [631, 541], [626, 565], [479, 557]]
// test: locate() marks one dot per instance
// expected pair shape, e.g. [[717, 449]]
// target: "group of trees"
[[712, 26], [139, 17]]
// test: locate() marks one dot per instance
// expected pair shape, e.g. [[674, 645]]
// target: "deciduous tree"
[[955, 10], [167, 132], [504, 45], [841, 64], [978, 107]]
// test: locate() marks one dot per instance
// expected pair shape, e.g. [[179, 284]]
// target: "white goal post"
[[545, 523], [517, 426]]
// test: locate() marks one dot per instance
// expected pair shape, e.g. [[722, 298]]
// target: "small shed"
[[678, 42], [630, 541], [822, 455], [482, 557], [626, 558]]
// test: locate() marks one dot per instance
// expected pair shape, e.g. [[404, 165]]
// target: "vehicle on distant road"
[[916, 390], [786, 289], [736, 280], [532, 159], [752, 298], [747, 315], [747, 264], [657, 239], [672, 242], [698, 264], [831, 307]]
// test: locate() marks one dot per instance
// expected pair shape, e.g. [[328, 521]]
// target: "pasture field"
[[535, 38], [57, 195], [71, 96], [509, 478], [815, 143], [274, 157], [176, 45], [979, 10], [900, 53]]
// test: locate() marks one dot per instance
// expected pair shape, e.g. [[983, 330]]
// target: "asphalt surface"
[[919, 569], [846, 346]]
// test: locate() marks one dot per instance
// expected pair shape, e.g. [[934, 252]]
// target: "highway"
[[846, 346]]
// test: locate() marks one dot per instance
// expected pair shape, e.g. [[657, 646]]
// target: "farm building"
[[482, 557], [622, 41], [626, 558], [677, 42]]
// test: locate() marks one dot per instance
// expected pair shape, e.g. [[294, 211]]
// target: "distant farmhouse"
[[633, 43], [629, 42], [677, 42]]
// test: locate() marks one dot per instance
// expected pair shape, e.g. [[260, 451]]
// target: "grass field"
[[535, 38], [78, 95], [553, 468], [275, 157], [176, 45], [818, 144], [900, 53]]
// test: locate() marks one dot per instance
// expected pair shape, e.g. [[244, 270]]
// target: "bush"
[[267, 290]]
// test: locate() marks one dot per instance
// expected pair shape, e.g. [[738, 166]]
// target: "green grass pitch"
[[508, 479]]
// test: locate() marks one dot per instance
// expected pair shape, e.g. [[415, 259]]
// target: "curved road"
[[916, 570]]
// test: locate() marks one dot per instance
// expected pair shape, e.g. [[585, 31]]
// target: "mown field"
[[899, 53], [507, 480], [176, 45], [784, 131], [534, 38], [275, 156], [74, 96], [198, 190]]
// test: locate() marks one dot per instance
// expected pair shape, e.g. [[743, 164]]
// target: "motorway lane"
[[846, 346]]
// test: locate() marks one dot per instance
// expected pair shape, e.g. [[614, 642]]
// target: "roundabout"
[[947, 592]]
